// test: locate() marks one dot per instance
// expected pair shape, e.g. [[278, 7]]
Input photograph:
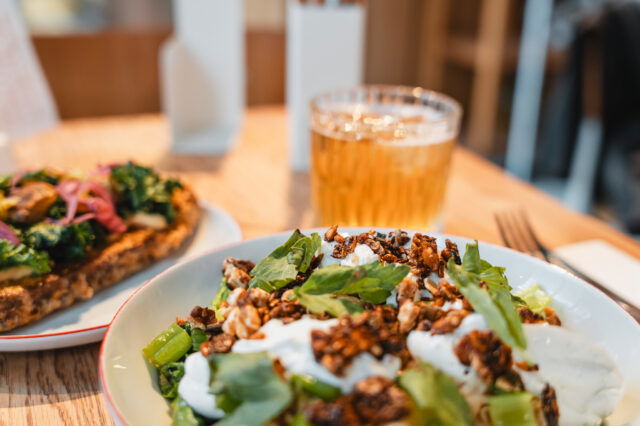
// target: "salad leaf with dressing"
[[436, 396], [326, 288], [495, 303], [250, 381], [283, 264]]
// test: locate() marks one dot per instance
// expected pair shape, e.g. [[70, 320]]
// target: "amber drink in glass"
[[380, 156]]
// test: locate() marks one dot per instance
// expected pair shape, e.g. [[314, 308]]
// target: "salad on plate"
[[378, 328]]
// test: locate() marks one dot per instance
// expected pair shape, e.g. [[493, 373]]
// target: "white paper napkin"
[[606, 264]]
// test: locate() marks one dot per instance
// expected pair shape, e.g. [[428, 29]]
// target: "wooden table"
[[254, 184]]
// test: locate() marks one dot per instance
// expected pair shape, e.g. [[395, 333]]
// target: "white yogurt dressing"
[[362, 254], [291, 344], [588, 385], [437, 350], [194, 386]]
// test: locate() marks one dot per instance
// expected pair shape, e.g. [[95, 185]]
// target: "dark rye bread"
[[25, 301]]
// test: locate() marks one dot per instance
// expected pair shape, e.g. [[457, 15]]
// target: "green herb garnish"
[[495, 303], [183, 415], [282, 265], [373, 283], [436, 396], [334, 306], [251, 382], [328, 288]]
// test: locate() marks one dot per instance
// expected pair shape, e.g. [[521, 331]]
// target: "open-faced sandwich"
[[378, 329], [64, 236]]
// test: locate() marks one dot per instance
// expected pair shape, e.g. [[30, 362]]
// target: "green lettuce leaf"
[[373, 283], [282, 265], [21, 255], [334, 306], [534, 298], [250, 380], [496, 303], [436, 396]]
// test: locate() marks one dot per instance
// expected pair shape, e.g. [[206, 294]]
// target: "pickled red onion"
[[6, 233], [101, 205]]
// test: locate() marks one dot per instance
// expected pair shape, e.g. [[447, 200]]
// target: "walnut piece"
[[237, 272], [378, 400], [449, 322], [337, 413], [483, 351], [375, 331]]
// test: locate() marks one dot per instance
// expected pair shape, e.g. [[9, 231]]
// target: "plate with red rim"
[[128, 382], [86, 321]]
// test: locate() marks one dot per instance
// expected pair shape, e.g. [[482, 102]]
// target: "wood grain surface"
[[254, 184]]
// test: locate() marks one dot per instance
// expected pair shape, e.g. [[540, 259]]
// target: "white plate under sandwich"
[[86, 321]]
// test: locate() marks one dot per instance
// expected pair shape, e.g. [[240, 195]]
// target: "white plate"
[[87, 321], [129, 384]]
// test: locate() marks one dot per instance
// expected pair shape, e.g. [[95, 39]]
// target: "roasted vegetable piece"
[[33, 202]]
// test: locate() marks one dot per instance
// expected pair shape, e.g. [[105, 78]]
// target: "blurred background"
[[550, 89]]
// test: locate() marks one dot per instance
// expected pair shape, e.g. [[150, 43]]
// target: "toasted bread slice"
[[29, 299]]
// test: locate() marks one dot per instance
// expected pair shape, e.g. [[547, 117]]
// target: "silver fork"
[[516, 233]]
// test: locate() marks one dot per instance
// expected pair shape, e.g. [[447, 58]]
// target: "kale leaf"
[[5, 184], [21, 255], [140, 189], [169, 376], [58, 209], [69, 243], [43, 175]]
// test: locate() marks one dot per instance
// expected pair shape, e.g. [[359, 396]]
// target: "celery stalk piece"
[[168, 346], [512, 409]]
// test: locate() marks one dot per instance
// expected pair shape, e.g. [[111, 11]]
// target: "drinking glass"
[[380, 156]]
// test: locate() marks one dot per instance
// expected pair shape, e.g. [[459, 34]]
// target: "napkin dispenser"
[[203, 76], [325, 50]]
